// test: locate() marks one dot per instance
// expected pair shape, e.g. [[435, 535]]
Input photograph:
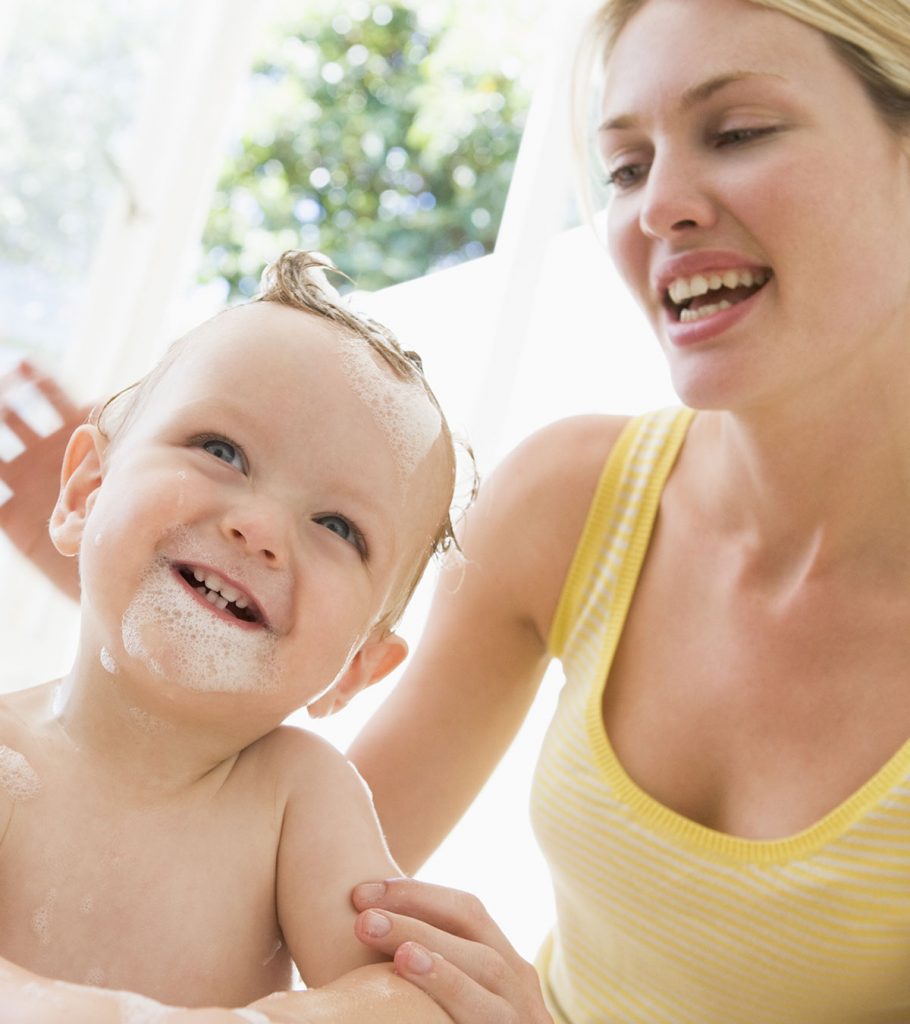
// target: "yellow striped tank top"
[[662, 920]]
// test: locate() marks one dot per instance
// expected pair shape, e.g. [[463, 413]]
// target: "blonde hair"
[[872, 37], [298, 279]]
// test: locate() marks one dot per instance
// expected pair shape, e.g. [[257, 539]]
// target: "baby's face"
[[259, 513]]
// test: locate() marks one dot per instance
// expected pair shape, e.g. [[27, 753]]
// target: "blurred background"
[[158, 154]]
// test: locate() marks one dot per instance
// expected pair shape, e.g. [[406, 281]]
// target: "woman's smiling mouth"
[[689, 299]]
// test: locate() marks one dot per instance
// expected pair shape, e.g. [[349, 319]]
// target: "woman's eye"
[[736, 136], [344, 529], [225, 451], [626, 176]]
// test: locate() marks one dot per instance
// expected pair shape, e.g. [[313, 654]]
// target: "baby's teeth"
[[241, 601], [229, 592], [714, 282], [213, 582], [745, 278], [211, 596], [220, 602], [731, 279], [199, 575]]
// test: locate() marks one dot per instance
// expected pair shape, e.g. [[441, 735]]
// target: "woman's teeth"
[[688, 316], [685, 288]]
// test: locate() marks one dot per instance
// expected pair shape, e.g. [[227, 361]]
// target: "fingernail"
[[419, 960], [375, 924], [369, 892]]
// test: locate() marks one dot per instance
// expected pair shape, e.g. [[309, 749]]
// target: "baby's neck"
[[145, 749]]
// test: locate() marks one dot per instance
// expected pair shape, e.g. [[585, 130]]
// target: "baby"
[[250, 521]]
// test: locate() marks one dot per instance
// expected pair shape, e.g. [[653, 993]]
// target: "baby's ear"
[[80, 478], [374, 661]]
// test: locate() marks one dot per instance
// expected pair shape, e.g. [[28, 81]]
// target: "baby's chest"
[[176, 906]]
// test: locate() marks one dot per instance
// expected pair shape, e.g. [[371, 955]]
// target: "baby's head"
[[288, 452]]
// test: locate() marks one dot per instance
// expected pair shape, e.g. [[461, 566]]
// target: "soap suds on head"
[[403, 410], [204, 652], [107, 661], [17, 776]]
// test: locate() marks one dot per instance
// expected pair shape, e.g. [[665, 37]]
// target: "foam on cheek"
[[203, 652], [17, 776], [407, 417]]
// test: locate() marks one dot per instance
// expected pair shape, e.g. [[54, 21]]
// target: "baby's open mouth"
[[221, 594], [694, 298]]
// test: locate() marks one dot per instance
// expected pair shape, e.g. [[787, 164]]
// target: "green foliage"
[[375, 140]]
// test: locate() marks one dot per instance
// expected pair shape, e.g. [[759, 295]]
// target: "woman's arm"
[[428, 750], [31, 480]]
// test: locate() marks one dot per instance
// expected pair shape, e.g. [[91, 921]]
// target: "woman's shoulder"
[[531, 512], [556, 469]]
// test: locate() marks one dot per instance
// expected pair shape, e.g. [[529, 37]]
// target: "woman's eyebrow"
[[691, 97]]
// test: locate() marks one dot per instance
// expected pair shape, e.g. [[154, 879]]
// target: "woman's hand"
[[444, 942], [30, 480]]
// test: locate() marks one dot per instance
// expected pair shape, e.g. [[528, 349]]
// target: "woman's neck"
[[816, 479]]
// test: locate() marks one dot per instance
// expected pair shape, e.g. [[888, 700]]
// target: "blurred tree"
[[383, 134]]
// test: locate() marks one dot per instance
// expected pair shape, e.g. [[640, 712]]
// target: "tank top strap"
[[619, 520]]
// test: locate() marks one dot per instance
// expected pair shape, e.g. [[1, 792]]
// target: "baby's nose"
[[261, 530]]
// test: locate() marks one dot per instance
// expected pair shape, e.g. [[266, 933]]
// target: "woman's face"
[[761, 206]]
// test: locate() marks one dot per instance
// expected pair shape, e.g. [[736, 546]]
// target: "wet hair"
[[298, 279], [872, 37]]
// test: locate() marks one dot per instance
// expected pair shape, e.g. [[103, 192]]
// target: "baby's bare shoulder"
[[307, 767], [20, 775]]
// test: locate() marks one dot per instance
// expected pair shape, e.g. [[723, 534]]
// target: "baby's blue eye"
[[225, 451], [344, 529]]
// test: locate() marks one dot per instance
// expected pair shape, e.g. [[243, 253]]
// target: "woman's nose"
[[674, 199]]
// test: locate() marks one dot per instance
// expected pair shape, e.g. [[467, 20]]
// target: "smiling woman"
[[722, 796]]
